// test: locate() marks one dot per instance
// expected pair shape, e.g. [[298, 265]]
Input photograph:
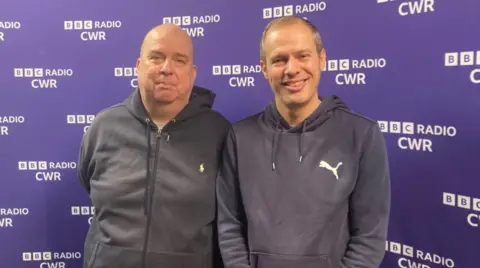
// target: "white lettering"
[[44, 83], [2, 36], [90, 220], [242, 81], [369, 63], [52, 265], [436, 130], [350, 79], [194, 32], [415, 144], [58, 72], [12, 119], [10, 25], [85, 129], [13, 211], [134, 83], [418, 7], [47, 176], [62, 165], [472, 76], [93, 36], [312, 7], [206, 19], [6, 222], [66, 255], [247, 69], [410, 264], [3, 130], [433, 258], [473, 219], [107, 24]]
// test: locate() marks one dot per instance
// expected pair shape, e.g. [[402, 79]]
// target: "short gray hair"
[[291, 20]]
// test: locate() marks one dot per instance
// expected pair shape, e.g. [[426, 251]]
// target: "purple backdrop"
[[412, 65]]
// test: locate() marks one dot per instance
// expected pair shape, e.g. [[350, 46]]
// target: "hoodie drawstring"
[[274, 144], [301, 142], [149, 154]]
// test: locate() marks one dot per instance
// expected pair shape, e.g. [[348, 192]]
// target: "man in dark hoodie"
[[150, 163], [305, 183]]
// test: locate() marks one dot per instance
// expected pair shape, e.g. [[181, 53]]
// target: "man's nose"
[[166, 67], [292, 67]]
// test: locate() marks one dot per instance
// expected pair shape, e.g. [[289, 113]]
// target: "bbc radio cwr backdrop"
[[412, 65]]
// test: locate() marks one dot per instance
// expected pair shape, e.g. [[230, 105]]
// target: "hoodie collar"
[[201, 99]]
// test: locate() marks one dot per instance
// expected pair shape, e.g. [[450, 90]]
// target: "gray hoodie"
[[316, 195], [153, 191]]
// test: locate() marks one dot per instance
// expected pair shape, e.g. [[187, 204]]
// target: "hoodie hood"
[[275, 121], [201, 100]]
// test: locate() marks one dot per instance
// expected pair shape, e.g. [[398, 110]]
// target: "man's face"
[[292, 65], [166, 72]]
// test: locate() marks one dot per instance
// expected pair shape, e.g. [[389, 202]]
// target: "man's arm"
[[370, 205], [84, 159], [232, 225]]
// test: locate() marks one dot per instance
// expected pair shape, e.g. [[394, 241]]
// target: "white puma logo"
[[327, 166]]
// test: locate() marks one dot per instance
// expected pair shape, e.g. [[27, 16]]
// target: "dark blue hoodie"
[[316, 195], [153, 189]]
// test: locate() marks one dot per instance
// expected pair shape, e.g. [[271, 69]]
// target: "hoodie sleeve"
[[370, 205], [84, 160], [232, 223]]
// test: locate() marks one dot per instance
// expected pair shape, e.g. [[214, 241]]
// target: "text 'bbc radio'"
[[413, 130], [409, 8], [6, 120], [289, 10], [465, 59], [42, 77], [91, 30], [46, 171], [411, 257], [352, 71], [8, 215], [8, 26], [50, 259], [194, 26], [240, 75], [465, 203]]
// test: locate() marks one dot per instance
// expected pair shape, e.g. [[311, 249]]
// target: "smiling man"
[[305, 183]]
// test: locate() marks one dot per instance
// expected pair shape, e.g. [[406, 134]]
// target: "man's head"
[[292, 58], [166, 72]]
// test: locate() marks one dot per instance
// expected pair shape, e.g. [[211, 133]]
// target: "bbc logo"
[[397, 127], [36, 256], [85, 210], [227, 69], [80, 119], [465, 58], [32, 165], [126, 71], [461, 201], [399, 249], [277, 12], [78, 25], [183, 20], [28, 72], [338, 65]]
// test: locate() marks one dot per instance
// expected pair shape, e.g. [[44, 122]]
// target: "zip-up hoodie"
[[316, 195], [153, 190]]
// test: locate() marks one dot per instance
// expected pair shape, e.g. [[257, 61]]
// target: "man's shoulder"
[[110, 112], [358, 120], [247, 123]]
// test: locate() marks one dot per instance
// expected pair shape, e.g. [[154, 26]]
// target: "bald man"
[[149, 165]]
